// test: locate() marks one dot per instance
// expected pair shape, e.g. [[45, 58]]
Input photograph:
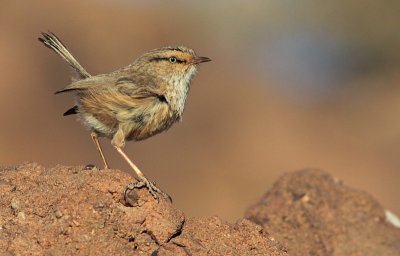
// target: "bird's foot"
[[90, 167], [154, 191]]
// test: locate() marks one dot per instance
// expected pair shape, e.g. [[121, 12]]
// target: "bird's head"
[[174, 64]]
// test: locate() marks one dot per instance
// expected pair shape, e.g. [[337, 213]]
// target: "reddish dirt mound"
[[74, 211], [312, 213]]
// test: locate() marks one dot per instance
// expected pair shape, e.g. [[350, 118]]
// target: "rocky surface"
[[79, 211], [312, 213]]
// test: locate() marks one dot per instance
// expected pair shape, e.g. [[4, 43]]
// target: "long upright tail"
[[51, 41]]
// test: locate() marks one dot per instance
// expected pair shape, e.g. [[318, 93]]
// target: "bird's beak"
[[198, 60]]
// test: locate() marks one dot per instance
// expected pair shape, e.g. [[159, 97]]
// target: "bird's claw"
[[154, 191]]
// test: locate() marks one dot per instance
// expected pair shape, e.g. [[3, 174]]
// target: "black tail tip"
[[71, 111]]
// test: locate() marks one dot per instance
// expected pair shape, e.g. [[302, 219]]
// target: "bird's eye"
[[172, 59]]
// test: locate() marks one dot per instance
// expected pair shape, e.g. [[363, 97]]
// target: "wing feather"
[[138, 87], [94, 82]]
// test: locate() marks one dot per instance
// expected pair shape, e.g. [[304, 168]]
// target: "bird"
[[132, 103]]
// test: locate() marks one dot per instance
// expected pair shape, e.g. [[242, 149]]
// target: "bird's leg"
[[96, 141], [144, 182]]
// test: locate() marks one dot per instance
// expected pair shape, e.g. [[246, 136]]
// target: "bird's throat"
[[180, 86]]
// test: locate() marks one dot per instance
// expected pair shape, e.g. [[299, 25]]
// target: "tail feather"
[[71, 111], [65, 90], [51, 41]]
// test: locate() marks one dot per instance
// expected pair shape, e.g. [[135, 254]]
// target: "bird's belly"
[[138, 119], [151, 121], [103, 125]]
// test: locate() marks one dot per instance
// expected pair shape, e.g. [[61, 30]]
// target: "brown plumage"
[[134, 102]]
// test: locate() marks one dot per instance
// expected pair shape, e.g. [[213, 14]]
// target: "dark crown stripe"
[[175, 49]]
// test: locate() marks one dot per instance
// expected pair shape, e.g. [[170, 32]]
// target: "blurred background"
[[292, 84]]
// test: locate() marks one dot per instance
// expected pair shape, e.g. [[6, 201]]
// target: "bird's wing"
[[136, 87], [93, 82], [139, 87]]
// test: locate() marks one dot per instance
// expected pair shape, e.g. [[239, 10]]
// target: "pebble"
[[58, 214], [15, 204], [21, 216]]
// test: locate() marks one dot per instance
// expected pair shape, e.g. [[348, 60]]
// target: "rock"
[[313, 213], [212, 236], [81, 211]]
